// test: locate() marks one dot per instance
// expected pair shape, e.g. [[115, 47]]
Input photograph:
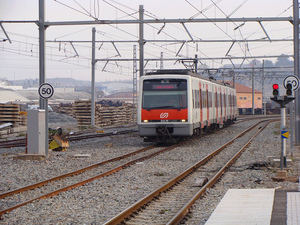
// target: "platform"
[[257, 206]]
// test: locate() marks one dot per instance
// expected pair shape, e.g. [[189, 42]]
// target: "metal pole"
[[296, 69], [161, 60], [292, 124], [134, 85], [93, 78], [253, 107], [283, 140], [141, 39], [43, 103], [263, 88], [196, 63], [233, 78]]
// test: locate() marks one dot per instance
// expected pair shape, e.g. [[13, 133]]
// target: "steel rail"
[[185, 209], [76, 172], [245, 119], [132, 209], [22, 141], [81, 183]]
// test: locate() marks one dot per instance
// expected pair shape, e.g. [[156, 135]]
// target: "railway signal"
[[275, 90], [282, 101], [289, 88]]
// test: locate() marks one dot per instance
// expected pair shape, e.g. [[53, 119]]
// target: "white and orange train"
[[174, 103]]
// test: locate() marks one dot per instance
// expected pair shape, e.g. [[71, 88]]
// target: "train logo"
[[164, 115]]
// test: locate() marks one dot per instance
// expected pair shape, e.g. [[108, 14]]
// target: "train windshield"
[[165, 94]]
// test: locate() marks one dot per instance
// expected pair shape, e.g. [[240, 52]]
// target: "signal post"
[[283, 101]]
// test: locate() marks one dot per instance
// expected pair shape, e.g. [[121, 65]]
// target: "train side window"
[[198, 100], [193, 99], [195, 93]]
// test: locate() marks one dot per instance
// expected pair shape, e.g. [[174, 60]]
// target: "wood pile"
[[104, 115], [65, 108], [82, 111], [23, 118], [9, 113]]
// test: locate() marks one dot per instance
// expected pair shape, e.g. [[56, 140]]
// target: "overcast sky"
[[19, 60]]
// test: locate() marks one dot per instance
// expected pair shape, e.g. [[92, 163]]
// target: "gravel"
[[100, 200], [254, 169]]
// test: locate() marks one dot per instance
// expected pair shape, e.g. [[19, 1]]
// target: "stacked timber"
[[64, 108], [9, 113], [104, 115], [23, 118], [82, 111]]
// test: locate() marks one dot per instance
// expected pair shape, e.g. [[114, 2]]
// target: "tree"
[[283, 60]]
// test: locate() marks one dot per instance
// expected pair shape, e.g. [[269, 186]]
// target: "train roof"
[[171, 71], [184, 72]]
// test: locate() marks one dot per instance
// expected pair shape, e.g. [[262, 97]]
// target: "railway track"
[[171, 203], [248, 118], [78, 178], [21, 142]]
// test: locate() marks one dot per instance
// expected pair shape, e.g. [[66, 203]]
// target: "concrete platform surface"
[[293, 208], [244, 207]]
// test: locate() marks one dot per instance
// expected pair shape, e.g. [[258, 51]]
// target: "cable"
[[74, 32], [89, 15], [82, 7], [75, 64], [147, 24], [232, 22]]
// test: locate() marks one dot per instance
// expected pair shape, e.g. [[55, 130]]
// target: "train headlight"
[[145, 121], [183, 120]]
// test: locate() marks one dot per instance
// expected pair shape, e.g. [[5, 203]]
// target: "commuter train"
[[178, 103]]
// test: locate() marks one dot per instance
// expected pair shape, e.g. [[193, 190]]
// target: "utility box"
[[36, 126]]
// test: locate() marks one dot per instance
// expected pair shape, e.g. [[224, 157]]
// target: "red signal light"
[[275, 90], [275, 86]]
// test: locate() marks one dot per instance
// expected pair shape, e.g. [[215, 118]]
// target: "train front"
[[163, 107]]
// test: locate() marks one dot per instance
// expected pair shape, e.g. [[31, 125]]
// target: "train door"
[[201, 110], [221, 106], [216, 105], [224, 103], [207, 104]]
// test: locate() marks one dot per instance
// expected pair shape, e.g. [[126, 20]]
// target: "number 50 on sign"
[[46, 91]]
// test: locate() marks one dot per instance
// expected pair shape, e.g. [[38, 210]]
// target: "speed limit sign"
[[46, 90]]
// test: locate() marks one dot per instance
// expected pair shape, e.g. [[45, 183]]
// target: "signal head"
[[275, 90], [289, 88]]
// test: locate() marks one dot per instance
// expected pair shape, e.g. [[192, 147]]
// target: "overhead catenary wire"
[[97, 2], [59, 57], [155, 17], [95, 18], [65, 62], [227, 16], [87, 14]]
